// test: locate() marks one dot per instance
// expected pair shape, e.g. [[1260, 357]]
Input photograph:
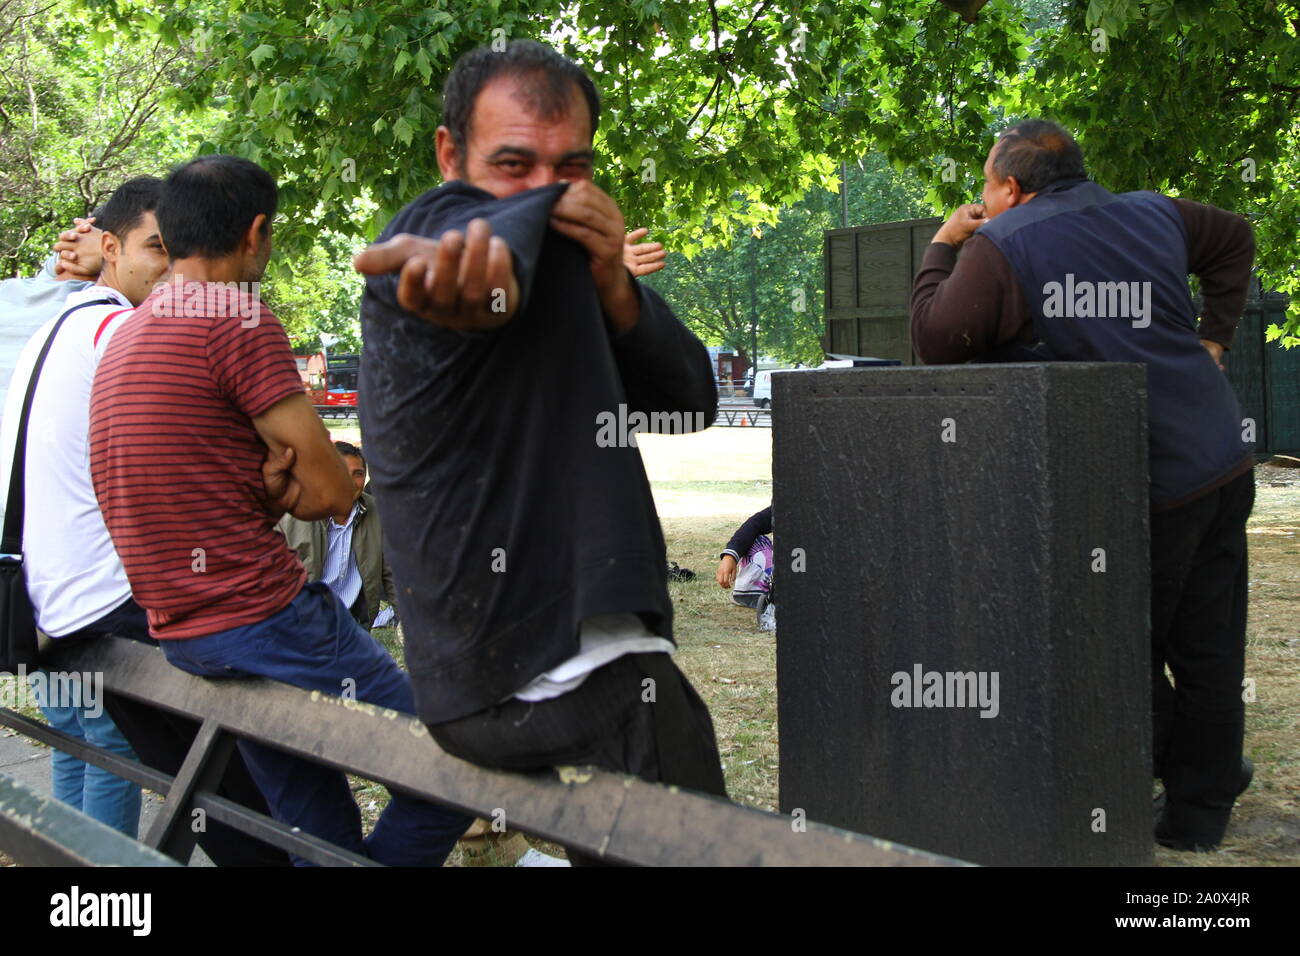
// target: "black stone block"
[[974, 555]]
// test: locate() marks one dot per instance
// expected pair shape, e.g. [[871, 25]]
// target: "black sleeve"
[[748, 533], [664, 367]]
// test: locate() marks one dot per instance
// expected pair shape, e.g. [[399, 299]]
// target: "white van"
[[763, 384]]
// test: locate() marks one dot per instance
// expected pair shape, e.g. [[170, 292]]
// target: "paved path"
[[29, 764]]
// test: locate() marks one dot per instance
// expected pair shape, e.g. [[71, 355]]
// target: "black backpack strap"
[[12, 542]]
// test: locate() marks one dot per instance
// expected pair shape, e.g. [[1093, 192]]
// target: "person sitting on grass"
[[745, 566]]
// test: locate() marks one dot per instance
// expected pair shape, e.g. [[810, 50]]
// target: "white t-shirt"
[[74, 576], [600, 640]]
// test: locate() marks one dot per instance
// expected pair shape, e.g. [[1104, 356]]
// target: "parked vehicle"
[[331, 382], [763, 384]]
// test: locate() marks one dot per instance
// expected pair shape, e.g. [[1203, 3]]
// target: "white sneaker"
[[536, 857]]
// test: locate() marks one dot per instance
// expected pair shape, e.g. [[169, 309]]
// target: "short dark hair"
[[346, 448], [208, 204], [128, 204], [1037, 152], [551, 79]]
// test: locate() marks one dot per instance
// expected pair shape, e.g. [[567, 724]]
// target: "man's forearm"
[[323, 498], [298, 444]]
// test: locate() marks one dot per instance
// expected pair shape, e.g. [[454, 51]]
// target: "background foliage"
[[76, 120], [725, 123]]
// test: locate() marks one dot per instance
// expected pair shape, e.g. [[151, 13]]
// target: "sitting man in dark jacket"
[[502, 326], [346, 551]]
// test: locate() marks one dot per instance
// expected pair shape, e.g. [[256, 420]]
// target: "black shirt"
[[506, 522]]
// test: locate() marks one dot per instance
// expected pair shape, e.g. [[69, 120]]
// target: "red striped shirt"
[[177, 463]]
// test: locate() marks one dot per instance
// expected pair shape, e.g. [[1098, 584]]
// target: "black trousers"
[[161, 740], [607, 722], [1198, 628]]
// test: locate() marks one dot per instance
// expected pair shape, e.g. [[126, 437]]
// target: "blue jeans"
[[96, 792], [315, 644]]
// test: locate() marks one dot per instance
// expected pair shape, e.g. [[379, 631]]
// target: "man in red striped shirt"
[[76, 582], [192, 392]]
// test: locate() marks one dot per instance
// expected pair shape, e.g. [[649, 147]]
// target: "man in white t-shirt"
[[73, 575]]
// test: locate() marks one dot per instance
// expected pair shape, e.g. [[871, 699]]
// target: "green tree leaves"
[[718, 114], [720, 96], [774, 279], [80, 112], [1195, 99]]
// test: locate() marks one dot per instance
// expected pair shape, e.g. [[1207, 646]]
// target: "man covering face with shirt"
[[501, 325]]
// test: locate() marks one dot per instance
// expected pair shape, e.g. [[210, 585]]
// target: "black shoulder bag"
[[17, 620]]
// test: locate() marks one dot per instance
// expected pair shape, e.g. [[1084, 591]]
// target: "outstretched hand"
[[463, 280]]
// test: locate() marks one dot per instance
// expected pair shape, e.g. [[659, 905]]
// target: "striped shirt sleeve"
[[251, 361]]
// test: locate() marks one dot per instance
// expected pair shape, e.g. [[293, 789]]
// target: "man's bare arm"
[[319, 470]]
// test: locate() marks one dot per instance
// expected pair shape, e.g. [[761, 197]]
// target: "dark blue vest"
[[1105, 277]]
